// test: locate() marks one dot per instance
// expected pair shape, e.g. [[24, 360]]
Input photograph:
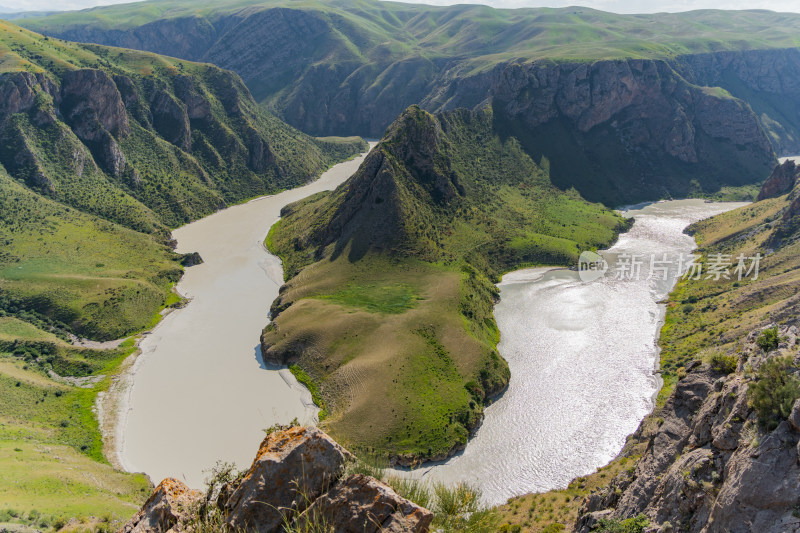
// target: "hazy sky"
[[618, 6]]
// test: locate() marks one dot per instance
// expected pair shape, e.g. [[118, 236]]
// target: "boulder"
[[170, 508], [362, 504], [292, 468]]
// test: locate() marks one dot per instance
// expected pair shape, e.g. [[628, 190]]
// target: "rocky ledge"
[[297, 482]]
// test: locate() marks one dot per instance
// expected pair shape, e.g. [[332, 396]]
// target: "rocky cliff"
[[710, 465], [619, 131], [781, 181], [768, 80]]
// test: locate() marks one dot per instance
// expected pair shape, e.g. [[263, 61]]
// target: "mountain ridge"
[[390, 280], [338, 67]]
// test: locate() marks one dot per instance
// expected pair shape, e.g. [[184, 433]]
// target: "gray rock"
[[170, 508], [362, 504], [292, 468]]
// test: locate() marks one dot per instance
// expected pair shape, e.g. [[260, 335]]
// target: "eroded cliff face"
[[619, 131], [149, 146], [707, 466], [768, 80]]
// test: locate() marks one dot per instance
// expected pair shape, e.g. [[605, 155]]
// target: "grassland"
[[52, 467], [75, 272], [388, 305], [85, 250], [493, 34], [705, 316]]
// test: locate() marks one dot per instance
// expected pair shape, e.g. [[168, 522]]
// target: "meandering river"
[[583, 359], [201, 392]]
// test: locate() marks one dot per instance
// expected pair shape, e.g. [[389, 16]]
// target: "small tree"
[[774, 392], [768, 340]]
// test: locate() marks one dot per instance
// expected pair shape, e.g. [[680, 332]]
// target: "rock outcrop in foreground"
[[297, 482]]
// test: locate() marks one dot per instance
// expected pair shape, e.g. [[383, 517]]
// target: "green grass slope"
[[52, 467], [388, 305], [707, 317], [102, 151], [140, 142], [75, 271]]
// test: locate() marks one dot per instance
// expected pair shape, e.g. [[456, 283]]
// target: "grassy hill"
[[105, 150], [387, 312], [102, 152], [707, 317]]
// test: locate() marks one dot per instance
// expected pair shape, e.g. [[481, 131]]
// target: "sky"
[[616, 6]]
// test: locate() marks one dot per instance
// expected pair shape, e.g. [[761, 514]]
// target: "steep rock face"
[[768, 80], [88, 95], [619, 130], [18, 91], [781, 181], [170, 118], [93, 107], [706, 468]]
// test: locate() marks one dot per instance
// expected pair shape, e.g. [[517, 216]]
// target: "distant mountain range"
[[571, 84]]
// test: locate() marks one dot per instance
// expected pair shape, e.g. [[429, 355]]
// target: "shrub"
[[774, 392], [630, 525], [411, 489], [768, 340], [723, 363], [458, 508], [553, 528]]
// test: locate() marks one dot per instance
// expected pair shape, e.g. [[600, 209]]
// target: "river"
[[200, 391], [583, 359]]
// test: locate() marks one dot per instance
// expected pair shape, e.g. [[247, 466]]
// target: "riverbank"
[[201, 362]]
